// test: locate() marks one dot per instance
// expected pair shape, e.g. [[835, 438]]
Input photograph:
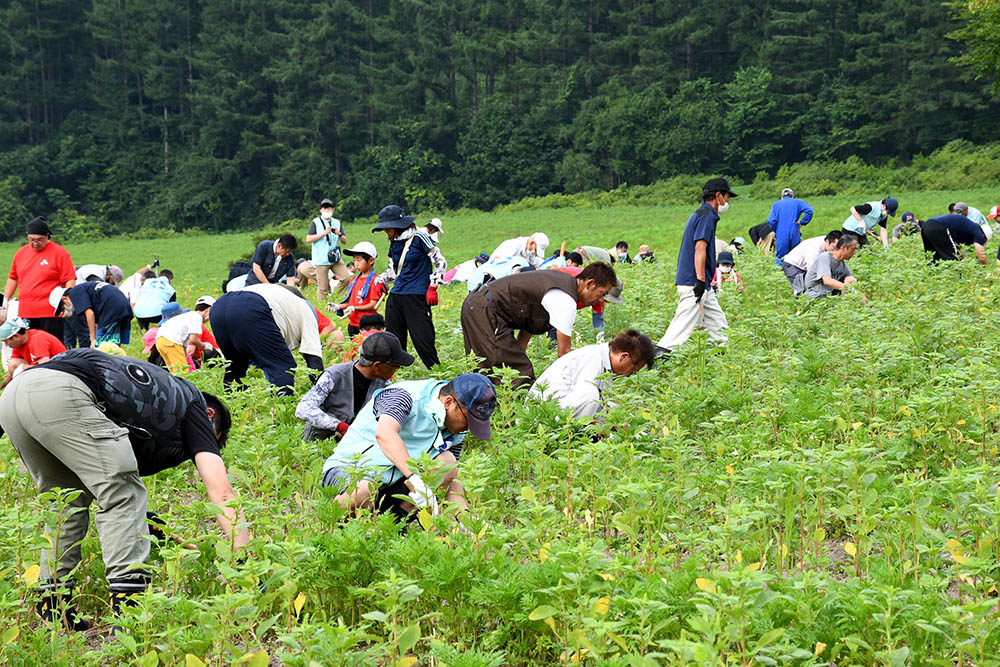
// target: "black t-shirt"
[[361, 386], [165, 415]]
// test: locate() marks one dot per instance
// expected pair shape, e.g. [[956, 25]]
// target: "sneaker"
[[58, 606]]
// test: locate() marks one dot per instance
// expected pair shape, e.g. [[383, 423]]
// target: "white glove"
[[208, 346], [422, 496], [348, 310]]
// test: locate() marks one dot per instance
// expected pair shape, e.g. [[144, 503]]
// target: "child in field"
[[364, 293], [725, 272], [370, 323], [179, 334]]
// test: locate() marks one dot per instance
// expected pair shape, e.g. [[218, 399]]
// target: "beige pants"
[[65, 441], [690, 316], [321, 277]]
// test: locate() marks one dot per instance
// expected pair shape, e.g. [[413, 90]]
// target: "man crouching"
[[400, 423]]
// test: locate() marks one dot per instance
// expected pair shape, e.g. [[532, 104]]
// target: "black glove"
[[699, 289], [156, 526], [156, 263]]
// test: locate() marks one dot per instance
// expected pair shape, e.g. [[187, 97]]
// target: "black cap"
[[385, 347], [715, 185], [39, 226], [391, 217], [326, 202]]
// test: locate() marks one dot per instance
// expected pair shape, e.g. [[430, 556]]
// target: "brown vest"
[[518, 298]]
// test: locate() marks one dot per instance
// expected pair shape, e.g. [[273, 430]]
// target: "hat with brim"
[[11, 327], [994, 212], [615, 294], [363, 248], [476, 394], [437, 224], [718, 185], [55, 299], [325, 203], [383, 346], [891, 205], [172, 309], [391, 217]]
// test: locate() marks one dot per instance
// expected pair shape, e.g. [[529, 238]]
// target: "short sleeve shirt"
[[180, 327], [700, 227], [375, 291], [963, 231], [108, 303], [561, 308], [41, 344], [37, 274], [825, 265]]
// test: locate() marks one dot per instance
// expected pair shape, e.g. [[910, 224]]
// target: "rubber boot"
[[56, 604], [125, 593]]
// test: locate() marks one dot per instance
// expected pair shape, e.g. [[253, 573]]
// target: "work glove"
[[422, 495], [156, 263], [342, 428], [699, 289], [432, 296]]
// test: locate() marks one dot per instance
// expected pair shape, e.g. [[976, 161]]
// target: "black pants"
[[353, 331], [53, 325], [146, 322], [410, 314], [245, 330], [937, 239], [75, 332]]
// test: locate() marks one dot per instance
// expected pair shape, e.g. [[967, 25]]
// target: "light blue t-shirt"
[[498, 268], [321, 248], [154, 294], [868, 222]]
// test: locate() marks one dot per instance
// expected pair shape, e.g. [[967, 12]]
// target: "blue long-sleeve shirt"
[[785, 221]]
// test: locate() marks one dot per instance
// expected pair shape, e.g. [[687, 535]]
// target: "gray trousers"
[[64, 441], [796, 276]]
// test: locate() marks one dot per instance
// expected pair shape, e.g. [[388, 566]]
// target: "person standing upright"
[[37, 269], [416, 270], [788, 216], [325, 234], [697, 306]]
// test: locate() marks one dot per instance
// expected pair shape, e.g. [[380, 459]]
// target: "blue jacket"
[[784, 221], [264, 256]]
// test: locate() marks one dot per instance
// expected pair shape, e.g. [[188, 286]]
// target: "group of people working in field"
[[95, 420]]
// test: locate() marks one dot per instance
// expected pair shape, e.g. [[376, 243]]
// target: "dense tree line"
[[217, 114]]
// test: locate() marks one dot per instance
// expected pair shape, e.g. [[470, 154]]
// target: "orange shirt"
[[41, 344], [37, 274]]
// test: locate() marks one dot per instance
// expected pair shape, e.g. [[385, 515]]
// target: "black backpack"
[[238, 268]]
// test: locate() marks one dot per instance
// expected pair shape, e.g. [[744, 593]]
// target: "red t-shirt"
[[206, 337], [575, 271], [40, 344], [354, 299], [37, 274], [322, 320]]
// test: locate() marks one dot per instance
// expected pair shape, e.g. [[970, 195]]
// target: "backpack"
[[238, 268]]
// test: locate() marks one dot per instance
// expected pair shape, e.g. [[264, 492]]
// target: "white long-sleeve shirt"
[[582, 366]]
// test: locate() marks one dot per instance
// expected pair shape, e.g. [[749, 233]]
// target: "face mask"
[[67, 310], [327, 215], [723, 208], [725, 269]]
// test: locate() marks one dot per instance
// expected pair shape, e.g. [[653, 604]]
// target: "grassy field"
[[824, 492]]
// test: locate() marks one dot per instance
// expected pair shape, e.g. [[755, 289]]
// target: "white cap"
[[365, 247], [206, 299], [541, 243], [55, 297], [437, 223]]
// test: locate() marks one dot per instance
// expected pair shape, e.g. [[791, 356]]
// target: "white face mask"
[[326, 215], [725, 268], [723, 208]]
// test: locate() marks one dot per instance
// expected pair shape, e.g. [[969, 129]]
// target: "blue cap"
[[483, 257], [891, 205], [476, 394]]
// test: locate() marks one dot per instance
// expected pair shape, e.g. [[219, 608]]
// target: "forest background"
[[141, 117]]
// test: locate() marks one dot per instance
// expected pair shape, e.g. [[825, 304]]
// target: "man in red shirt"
[[37, 269], [30, 346]]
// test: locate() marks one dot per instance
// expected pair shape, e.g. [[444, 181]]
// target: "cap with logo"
[[994, 212], [363, 248], [383, 346], [476, 394]]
